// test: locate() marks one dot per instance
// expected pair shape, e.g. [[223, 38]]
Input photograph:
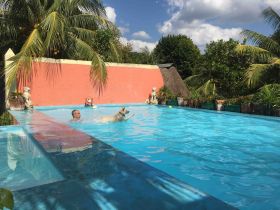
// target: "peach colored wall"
[[69, 84]]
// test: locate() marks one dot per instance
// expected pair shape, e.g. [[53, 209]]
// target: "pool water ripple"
[[231, 156]]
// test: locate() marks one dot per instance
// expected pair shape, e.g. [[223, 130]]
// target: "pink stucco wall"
[[69, 84]]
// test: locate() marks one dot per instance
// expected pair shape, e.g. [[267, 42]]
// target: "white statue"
[[152, 97], [27, 98]]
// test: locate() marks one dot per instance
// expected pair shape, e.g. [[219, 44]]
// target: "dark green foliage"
[[143, 57], [268, 94], [227, 67], [179, 50], [6, 119], [222, 69], [104, 39], [6, 199], [165, 94]]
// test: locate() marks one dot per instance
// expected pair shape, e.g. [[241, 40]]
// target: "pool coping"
[[131, 184]]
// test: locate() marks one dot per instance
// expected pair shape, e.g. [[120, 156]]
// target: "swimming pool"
[[233, 157], [23, 165]]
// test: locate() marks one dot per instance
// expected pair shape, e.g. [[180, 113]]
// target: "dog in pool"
[[120, 116]]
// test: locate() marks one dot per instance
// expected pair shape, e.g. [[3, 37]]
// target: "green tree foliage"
[[179, 50], [221, 71], [106, 43], [142, 57], [57, 29], [266, 50]]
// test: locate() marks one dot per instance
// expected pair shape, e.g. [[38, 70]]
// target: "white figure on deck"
[[27, 98], [152, 97]]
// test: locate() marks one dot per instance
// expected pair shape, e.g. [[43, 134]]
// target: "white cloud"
[[218, 10], [138, 45], [123, 30], [275, 4], [199, 31], [111, 14], [141, 35], [208, 20]]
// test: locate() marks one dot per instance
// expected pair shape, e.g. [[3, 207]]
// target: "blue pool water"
[[233, 157], [22, 163]]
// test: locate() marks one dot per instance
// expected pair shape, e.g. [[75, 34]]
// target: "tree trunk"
[[2, 85]]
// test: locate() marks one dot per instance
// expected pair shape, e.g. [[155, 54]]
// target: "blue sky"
[[144, 22]]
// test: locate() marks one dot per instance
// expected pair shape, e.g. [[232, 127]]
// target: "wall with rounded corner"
[[67, 82]]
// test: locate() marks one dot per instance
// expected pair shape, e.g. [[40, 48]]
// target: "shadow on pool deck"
[[97, 176]]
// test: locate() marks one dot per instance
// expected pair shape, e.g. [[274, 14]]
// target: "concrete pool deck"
[[98, 176]]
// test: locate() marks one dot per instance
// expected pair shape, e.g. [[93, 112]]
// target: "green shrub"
[[6, 119], [6, 199], [268, 94], [165, 94]]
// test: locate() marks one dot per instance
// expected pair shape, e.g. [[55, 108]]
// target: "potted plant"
[[165, 96], [194, 99]]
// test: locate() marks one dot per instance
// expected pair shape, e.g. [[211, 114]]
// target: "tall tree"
[[266, 50], [179, 50], [53, 28], [221, 71]]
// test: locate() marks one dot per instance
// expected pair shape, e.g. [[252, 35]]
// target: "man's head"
[[76, 114]]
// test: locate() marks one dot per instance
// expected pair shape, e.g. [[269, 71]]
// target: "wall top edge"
[[108, 64]]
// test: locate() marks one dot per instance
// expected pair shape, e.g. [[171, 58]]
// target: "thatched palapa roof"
[[173, 81]]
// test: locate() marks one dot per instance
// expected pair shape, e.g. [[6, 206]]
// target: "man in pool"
[[76, 114]]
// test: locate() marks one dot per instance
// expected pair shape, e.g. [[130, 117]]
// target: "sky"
[[143, 23]]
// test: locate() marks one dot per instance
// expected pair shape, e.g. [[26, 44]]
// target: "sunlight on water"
[[22, 164], [233, 157]]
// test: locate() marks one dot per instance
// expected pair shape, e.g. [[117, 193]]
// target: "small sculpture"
[[152, 97], [27, 98]]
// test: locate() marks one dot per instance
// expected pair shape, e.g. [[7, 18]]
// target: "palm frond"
[[21, 65], [53, 24], [84, 50], [83, 33], [114, 50], [255, 73], [257, 52], [92, 6], [272, 17], [98, 73], [276, 61], [208, 88], [262, 41], [83, 21], [196, 80]]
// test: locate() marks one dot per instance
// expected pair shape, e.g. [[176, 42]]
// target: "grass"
[[6, 119]]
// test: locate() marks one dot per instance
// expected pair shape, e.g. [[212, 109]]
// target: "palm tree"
[[266, 51], [53, 28]]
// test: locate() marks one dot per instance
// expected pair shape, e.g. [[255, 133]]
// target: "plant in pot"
[[164, 95], [194, 99], [16, 101]]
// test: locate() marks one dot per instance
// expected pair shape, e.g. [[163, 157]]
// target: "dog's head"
[[123, 111]]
